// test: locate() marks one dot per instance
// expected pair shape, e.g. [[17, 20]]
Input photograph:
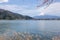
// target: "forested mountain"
[[8, 15]]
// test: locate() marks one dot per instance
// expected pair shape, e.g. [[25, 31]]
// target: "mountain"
[[47, 17], [8, 15]]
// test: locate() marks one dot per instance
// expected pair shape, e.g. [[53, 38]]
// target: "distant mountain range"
[[8, 15], [47, 17]]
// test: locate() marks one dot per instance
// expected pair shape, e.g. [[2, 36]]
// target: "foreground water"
[[45, 28]]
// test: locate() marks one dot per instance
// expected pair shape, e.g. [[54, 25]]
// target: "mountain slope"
[[7, 15]]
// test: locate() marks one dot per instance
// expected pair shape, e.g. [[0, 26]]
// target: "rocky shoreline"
[[26, 36]]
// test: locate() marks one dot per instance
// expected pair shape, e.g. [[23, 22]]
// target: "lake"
[[32, 26], [29, 29]]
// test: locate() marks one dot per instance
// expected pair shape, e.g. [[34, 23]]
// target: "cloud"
[[13, 8], [22, 9], [2, 1], [53, 9]]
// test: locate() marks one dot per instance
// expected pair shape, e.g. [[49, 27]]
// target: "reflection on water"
[[4, 27], [29, 30], [41, 25], [30, 26]]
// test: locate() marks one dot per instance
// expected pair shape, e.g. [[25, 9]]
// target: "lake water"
[[26, 29], [32, 26]]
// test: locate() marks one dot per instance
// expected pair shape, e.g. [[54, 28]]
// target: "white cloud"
[[1, 1], [23, 9], [13, 8], [53, 9]]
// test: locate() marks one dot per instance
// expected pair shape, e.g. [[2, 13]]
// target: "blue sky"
[[28, 7]]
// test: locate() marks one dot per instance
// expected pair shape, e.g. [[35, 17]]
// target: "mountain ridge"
[[8, 15], [47, 17]]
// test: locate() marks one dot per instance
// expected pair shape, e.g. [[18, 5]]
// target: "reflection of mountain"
[[4, 27], [7, 15], [47, 17]]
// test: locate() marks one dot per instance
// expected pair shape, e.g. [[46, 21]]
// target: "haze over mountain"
[[47, 17]]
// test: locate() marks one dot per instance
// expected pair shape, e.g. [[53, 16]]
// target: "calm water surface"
[[30, 25]]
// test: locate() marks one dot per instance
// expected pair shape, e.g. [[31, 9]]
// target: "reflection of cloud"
[[1, 1], [41, 25]]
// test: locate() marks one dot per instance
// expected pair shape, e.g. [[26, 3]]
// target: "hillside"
[[8, 15]]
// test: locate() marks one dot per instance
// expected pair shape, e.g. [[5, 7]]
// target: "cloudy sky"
[[28, 7]]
